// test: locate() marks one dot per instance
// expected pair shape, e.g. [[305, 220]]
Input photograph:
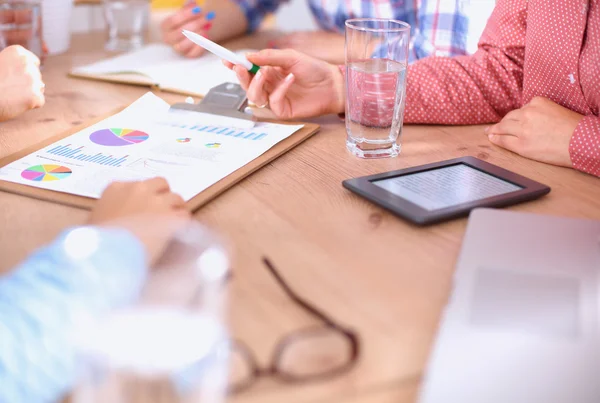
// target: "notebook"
[[158, 65]]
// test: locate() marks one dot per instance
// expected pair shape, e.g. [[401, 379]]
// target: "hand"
[[327, 46], [21, 85], [293, 84], [541, 130], [191, 18], [147, 209]]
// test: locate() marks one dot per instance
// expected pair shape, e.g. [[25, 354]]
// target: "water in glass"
[[375, 110], [125, 22]]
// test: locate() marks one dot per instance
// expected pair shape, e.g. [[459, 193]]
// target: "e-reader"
[[445, 190]]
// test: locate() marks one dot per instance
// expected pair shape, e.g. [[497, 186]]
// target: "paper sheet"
[[144, 141], [167, 69]]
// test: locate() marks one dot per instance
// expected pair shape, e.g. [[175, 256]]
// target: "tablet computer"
[[445, 190]]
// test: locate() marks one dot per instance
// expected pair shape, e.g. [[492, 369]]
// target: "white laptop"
[[523, 321]]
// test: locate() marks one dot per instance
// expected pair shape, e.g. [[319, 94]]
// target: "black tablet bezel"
[[364, 187]]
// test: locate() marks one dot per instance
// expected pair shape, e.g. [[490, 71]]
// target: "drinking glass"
[[125, 20], [21, 24], [171, 343], [376, 60]]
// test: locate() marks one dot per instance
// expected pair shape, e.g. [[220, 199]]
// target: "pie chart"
[[46, 173], [184, 140], [118, 137]]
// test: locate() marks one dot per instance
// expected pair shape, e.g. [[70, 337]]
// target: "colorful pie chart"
[[46, 173], [212, 145], [184, 140], [118, 137]]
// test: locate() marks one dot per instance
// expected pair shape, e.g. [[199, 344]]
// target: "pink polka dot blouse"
[[548, 48]]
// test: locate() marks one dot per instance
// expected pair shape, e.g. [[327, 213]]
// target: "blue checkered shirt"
[[438, 28]]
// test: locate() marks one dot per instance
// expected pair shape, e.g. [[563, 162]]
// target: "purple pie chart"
[[118, 137]]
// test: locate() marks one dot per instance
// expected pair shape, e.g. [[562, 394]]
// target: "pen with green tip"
[[221, 51]]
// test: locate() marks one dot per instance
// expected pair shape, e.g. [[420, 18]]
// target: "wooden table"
[[384, 277]]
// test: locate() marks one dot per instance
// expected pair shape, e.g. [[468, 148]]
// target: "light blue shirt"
[[88, 271]]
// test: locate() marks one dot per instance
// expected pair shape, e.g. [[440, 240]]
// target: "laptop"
[[522, 324]]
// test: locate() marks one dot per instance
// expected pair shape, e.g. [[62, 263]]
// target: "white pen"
[[221, 51]]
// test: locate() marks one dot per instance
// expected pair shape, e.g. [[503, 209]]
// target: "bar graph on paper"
[[224, 131], [79, 154]]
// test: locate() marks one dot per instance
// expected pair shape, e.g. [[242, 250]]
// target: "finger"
[[157, 185], [184, 46], [509, 142], [274, 57], [243, 76], [508, 127], [515, 114], [189, 21], [257, 92], [277, 98], [186, 14], [195, 52], [227, 64], [174, 200], [175, 36]]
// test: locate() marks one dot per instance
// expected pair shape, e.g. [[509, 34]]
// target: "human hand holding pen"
[[293, 84]]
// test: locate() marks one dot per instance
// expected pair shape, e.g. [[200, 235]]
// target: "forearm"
[[82, 274], [584, 147], [230, 20]]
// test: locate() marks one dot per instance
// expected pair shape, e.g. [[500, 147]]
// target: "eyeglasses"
[[309, 354]]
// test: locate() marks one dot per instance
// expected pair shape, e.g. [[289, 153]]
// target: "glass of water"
[[125, 20], [376, 60], [170, 343], [20, 24]]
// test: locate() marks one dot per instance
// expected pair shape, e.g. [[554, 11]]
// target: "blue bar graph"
[[79, 155], [224, 131]]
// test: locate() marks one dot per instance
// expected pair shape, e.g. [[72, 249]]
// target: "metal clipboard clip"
[[224, 105]]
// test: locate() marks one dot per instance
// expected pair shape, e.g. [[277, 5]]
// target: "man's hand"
[[541, 130], [21, 85], [327, 46], [148, 209]]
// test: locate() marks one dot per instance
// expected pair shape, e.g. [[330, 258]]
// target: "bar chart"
[[79, 154], [224, 131]]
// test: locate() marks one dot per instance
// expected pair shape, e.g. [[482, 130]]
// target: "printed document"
[[146, 140]]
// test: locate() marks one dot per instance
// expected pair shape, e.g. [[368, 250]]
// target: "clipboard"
[[233, 106]]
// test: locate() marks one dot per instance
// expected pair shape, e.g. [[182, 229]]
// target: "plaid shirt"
[[438, 27]]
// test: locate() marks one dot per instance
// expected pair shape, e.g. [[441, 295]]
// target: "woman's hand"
[[191, 18], [293, 84], [148, 209], [21, 85], [327, 46], [541, 130]]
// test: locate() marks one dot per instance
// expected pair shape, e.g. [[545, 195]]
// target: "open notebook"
[[160, 66]]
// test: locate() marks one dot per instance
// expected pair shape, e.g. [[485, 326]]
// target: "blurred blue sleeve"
[[86, 271], [257, 10]]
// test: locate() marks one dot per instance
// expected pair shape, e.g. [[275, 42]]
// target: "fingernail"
[[289, 77], [211, 15], [207, 26], [487, 129], [196, 10], [258, 74]]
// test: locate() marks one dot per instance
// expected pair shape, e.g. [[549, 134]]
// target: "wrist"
[[338, 105]]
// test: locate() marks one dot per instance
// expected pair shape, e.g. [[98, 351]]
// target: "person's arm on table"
[[218, 20], [584, 147], [85, 271], [476, 89], [21, 85]]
